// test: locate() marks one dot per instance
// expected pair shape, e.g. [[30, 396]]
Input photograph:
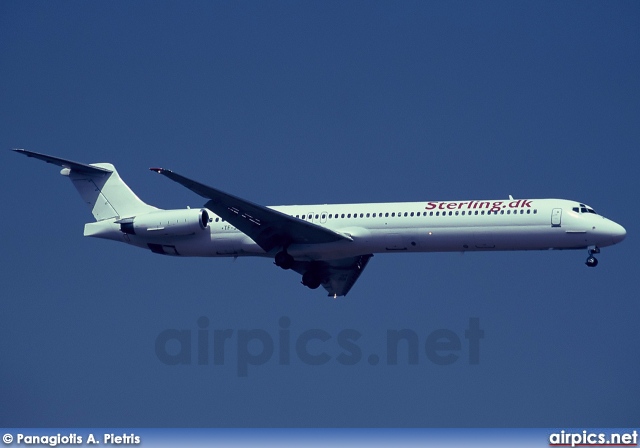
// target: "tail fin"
[[100, 186], [106, 194]]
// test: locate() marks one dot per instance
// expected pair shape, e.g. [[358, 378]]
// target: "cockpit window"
[[584, 209]]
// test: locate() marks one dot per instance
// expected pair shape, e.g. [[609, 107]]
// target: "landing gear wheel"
[[311, 280], [284, 260], [592, 262]]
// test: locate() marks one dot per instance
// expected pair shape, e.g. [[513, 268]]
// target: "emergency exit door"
[[556, 217]]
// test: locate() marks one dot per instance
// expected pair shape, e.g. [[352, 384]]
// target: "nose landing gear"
[[592, 261]]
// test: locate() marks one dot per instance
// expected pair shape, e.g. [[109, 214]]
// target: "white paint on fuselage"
[[449, 226]]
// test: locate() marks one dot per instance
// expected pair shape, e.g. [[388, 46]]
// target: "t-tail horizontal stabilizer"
[[100, 186], [75, 166]]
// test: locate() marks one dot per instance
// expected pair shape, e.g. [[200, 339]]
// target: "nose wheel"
[[592, 261]]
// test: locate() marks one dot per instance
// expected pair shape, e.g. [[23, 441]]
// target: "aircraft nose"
[[618, 233]]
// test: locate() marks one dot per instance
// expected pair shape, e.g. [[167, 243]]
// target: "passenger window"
[[349, 215], [367, 215], [528, 212], [410, 215], [535, 211]]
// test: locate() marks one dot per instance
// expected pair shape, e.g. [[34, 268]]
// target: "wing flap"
[[339, 276]]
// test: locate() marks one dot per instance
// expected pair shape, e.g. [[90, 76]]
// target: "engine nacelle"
[[166, 223]]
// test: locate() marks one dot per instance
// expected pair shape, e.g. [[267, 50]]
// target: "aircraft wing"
[[267, 227], [340, 275]]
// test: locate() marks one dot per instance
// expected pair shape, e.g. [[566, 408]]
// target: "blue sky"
[[319, 102]]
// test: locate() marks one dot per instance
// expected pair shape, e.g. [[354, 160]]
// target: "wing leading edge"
[[269, 228]]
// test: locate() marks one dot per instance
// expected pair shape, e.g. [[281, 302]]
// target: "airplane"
[[329, 244]]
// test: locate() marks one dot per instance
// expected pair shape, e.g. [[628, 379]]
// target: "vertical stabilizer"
[[106, 194]]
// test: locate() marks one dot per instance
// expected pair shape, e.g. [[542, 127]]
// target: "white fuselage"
[[328, 245], [435, 226]]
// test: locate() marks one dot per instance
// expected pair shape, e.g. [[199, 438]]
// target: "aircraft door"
[[556, 217]]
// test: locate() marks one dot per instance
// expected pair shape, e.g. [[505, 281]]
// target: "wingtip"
[[22, 151], [158, 170]]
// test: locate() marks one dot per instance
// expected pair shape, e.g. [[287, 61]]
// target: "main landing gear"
[[311, 279], [284, 260], [592, 261]]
